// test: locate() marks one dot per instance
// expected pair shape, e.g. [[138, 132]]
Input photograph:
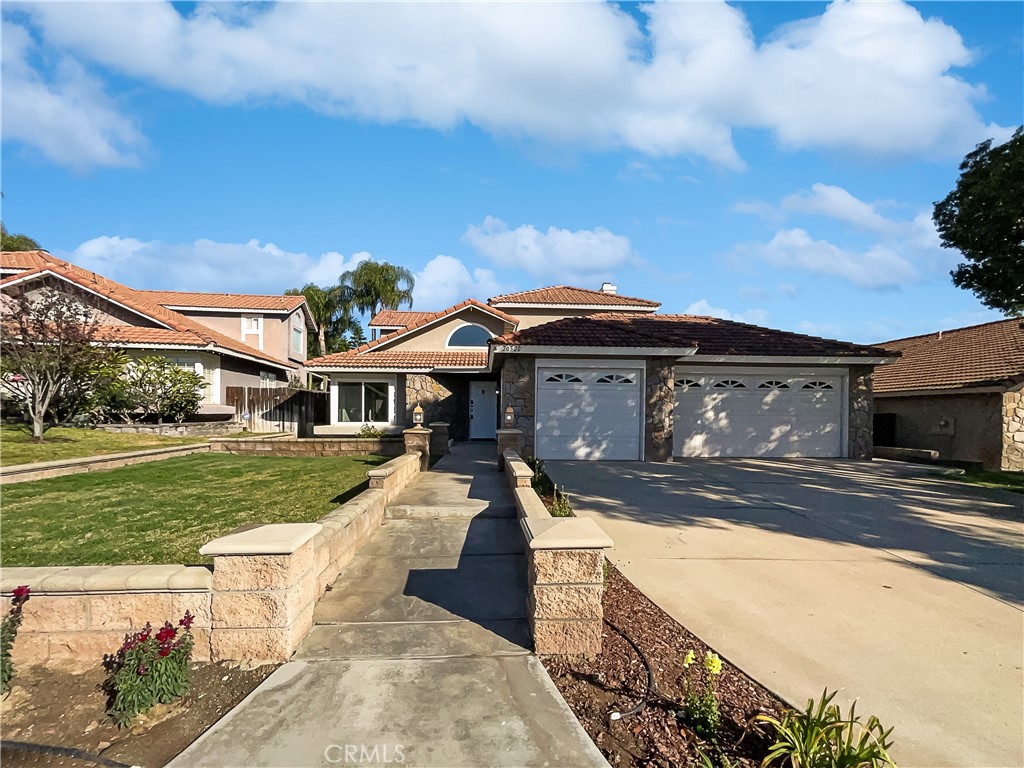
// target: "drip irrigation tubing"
[[45, 749]]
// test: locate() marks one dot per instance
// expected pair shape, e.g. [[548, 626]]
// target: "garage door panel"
[[588, 414], [729, 414]]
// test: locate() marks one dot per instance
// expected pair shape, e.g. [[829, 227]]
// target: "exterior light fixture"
[[417, 415], [509, 418]]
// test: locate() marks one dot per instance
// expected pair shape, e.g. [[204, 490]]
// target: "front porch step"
[[416, 640], [483, 509]]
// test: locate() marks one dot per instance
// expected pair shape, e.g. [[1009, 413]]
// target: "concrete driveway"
[[903, 590]]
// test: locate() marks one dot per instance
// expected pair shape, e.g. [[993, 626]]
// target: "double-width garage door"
[[588, 413], [766, 414]]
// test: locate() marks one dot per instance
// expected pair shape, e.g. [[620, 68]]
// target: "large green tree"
[[331, 309], [9, 242], [377, 285], [983, 218]]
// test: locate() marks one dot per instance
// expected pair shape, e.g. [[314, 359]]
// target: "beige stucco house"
[[229, 339], [591, 374], [958, 392]]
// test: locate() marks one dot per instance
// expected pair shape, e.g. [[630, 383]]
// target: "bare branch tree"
[[49, 348]]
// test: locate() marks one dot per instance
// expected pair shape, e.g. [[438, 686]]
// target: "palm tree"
[[377, 285], [332, 312]]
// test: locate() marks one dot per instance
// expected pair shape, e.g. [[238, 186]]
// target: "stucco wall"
[[444, 397], [960, 427], [517, 390], [1013, 432], [436, 336], [276, 331]]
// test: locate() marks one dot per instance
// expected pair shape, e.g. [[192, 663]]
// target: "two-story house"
[[596, 375], [229, 339]]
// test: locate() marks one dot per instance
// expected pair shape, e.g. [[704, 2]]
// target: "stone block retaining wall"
[[185, 429], [565, 566], [253, 606], [23, 473], [309, 446]]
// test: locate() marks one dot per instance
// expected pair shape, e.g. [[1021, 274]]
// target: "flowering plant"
[[700, 706], [8, 631], [149, 668]]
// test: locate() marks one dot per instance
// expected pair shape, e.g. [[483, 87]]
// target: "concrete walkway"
[[880, 580], [419, 654]]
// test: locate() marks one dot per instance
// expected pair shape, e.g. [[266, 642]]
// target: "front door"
[[483, 410]]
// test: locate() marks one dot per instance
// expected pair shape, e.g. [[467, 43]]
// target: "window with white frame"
[[469, 336], [363, 401], [297, 341]]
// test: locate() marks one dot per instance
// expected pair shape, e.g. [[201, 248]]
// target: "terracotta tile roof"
[[138, 334], [980, 355], [710, 335], [139, 303], [566, 295], [399, 318], [398, 360], [22, 260], [196, 300], [392, 337]]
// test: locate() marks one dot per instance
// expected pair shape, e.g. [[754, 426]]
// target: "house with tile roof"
[[957, 392], [229, 339], [591, 374]]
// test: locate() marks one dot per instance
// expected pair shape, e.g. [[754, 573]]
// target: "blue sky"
[[771, 162]]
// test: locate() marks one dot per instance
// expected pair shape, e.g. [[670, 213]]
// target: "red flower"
[[186, 621], [164, 650], [21, 592], [166, 633]]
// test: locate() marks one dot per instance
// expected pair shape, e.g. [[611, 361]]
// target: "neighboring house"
[[594, 375], [229, 339], [958, 392]]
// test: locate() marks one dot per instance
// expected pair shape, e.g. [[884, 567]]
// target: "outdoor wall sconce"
[[417, 415], [509, 419]]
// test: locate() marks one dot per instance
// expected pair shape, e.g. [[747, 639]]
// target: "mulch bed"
[[616, 681], [56, 707]]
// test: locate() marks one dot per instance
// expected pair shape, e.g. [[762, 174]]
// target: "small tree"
[[49, 347], [163, 389], [9, 242], [983, 218]]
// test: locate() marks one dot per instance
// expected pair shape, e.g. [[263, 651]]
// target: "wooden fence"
[[282, 409]]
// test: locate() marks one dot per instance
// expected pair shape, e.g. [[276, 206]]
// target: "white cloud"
[[555, 255], [445, 281], [67, 117], [824, 330], [874, 78], [753, 316], [758, 208], [836, 203], [206, 265]]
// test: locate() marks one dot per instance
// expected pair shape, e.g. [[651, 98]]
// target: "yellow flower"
[[712, 663], [688, 659]]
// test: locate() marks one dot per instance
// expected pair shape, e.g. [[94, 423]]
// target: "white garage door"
[[585, 413], [765, 414]]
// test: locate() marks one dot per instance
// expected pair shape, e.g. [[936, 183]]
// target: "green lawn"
[[163, 511], [1007, 481], [16, 446]]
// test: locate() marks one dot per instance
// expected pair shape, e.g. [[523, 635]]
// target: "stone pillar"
[[861, 438], [264, 590], [517, 390], [417, 440], [509, 440], [1012, 459], [439, 437], [660, 404]]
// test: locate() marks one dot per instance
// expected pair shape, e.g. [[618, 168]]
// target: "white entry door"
[[483, 410], [769, 413], [589, 413]]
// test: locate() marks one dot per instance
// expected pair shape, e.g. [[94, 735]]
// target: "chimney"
[[609, 288]]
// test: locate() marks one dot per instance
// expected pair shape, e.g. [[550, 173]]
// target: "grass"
[[163, 511], [16, 446], [1007, 481]]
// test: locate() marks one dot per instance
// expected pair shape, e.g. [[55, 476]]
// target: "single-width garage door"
[[765, 414], [585, 413]]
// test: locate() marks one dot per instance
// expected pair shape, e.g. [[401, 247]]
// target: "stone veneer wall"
[[658, 409], [310, 446], [861, 443], [444, 397], [251, 608], [517, 390], [1013, 431], [184, 429]]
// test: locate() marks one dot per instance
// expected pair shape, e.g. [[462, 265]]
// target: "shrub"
[[541, 483], [820, 737], [8, 632], [700, 703], [560, 506], [164, 389], [370, 431], [150, 668]]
